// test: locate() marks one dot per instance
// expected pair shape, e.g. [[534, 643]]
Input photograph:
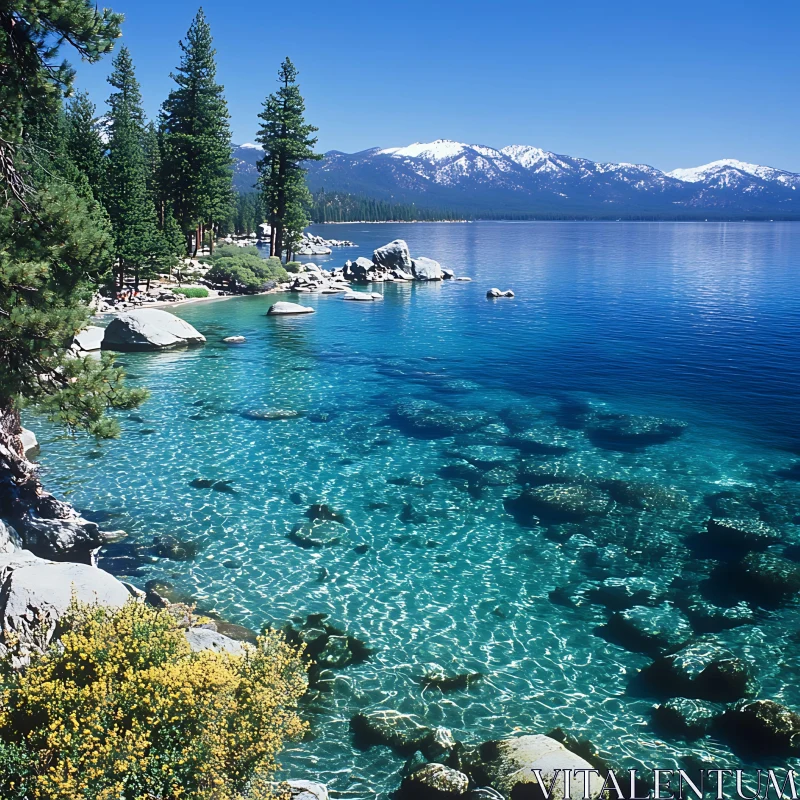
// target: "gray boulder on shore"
[[36, 593], [149, 329]]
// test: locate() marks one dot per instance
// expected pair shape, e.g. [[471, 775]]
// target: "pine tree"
[[84, 145], [197, 151], [140, 247], [53, 244], [288, 142]]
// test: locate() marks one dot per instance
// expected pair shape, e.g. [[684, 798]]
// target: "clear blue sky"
[[672, 84]]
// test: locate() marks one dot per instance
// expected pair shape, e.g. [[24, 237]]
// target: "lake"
[[422, 418]]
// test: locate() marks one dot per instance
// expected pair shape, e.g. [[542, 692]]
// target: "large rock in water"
[[655, 631], [509, 766], [426, 269], [434, 782], [283, 307], [762, 728], [702, 670], [35, 594], [89, 339], [394, 255], [149, 329], [405, 733]]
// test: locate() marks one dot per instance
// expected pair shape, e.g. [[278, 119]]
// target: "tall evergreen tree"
[[198, 167], [53, 244], [139, 244], [288, 142], [84, 145]]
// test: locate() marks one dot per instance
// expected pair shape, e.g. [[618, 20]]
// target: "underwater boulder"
[[404, 733], [702, 670], [761, 728], [427, 420], [541, 441], [618, 594], [651, 630], [317, 534], [763, 578], [436, 677], [682, 717], [631, 432], [173, 548], [434, 782], [558, 503], [732, 538]]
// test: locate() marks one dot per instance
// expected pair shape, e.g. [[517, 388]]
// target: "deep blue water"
[[695, 322]]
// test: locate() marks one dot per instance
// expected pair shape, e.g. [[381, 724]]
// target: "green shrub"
[[191, 291], [294, 267], [122, 709], [243, 269]]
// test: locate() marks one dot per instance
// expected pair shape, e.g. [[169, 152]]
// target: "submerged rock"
[[430, 420], [434, 782], [618, 594], [540, 441], [631, 432], [558, 503], [645, 496], [702, 670], [684, 718], [326, 646], [317, 533], [322, 511], [404, 733], [762, 728], [483, 456], [436, 677], [763, 578], [655, 631], [234, 340], [173, 548], [734, 537], [149, 329], [508, 765]]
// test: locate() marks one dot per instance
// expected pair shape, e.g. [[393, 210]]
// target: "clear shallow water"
[[696, 321]]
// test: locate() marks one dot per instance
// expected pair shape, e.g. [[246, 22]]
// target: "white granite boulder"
[[89, 339], [282, 308], [35, 594], [510, 766], [149, 329], [394, 255], [206, 639], [426, 269], [492, 293]]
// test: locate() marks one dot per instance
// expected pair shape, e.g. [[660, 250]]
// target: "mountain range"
[[524, 180]]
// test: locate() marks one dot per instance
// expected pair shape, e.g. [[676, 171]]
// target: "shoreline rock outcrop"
[[149, 329]]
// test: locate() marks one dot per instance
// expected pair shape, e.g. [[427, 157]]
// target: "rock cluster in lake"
[[393, 263]]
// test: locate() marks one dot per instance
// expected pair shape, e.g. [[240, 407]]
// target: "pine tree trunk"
[[211, 239], [19, 484]]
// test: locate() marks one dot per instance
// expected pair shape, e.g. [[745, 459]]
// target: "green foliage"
[[140, 246], [31, 36], [197, 162], [191, 291], [343, 207], [55, 240], [122, 708], [48, 261], [241, 269], [288, 143], [84, 146], [293, 267]]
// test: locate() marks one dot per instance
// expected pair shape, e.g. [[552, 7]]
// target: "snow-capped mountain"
[[524, 179]]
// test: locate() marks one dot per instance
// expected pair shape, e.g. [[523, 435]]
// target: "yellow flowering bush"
[[122, 709]]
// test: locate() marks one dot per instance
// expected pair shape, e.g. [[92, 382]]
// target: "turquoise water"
[[694, 322]]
